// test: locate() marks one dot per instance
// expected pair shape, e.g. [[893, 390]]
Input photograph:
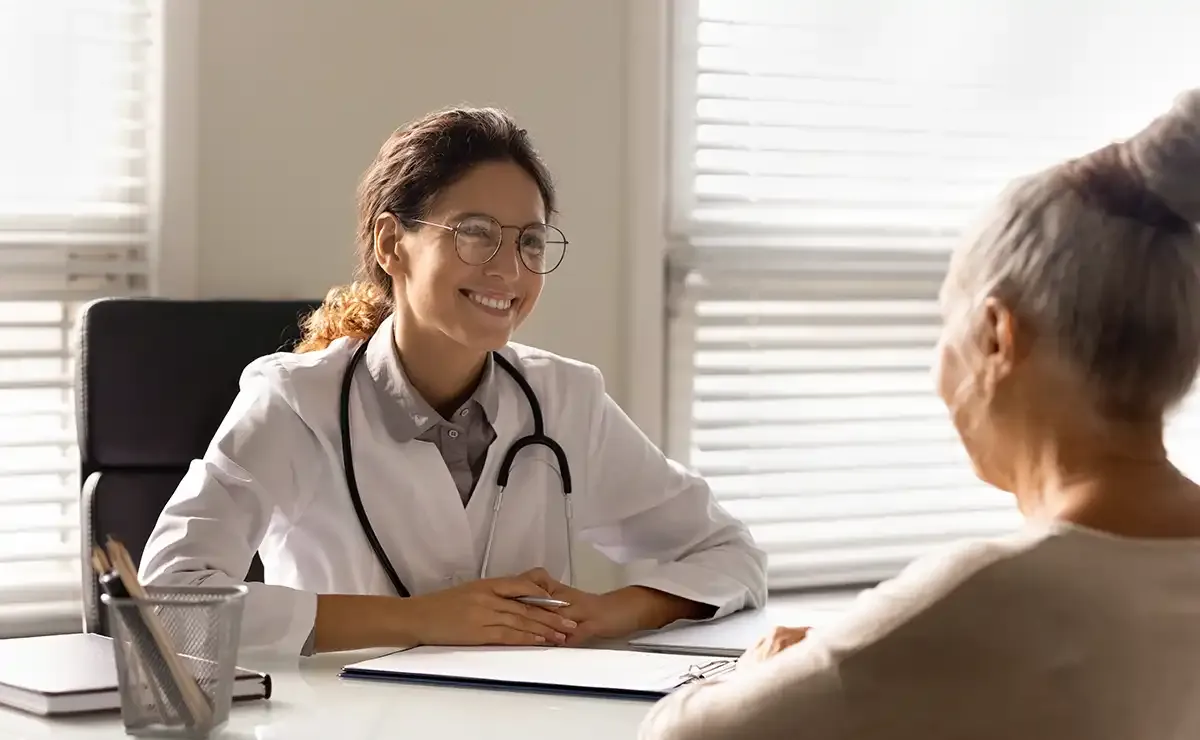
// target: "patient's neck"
[[1116, 479]]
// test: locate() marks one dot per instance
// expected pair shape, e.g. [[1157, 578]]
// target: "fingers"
[[782, 639], [785, 637], [778, 640], [513, 619], [541, 577], [581, 636], [511, 588], [499, 635], [552, 619]]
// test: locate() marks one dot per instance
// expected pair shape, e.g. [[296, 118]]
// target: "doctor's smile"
[[410, 475]]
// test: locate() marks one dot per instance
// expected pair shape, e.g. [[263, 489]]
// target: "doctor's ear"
[[388, 237]]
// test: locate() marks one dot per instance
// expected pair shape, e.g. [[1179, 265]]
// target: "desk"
[[310, 701]]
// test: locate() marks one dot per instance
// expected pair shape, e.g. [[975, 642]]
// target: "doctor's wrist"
[[652, 609], [355, 622]]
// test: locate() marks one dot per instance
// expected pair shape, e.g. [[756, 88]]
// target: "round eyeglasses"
[[477, 240]]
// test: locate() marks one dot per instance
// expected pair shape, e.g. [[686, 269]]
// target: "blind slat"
[[62, 382], [44, 525], [32, 497], [64, 554], [60, 589]]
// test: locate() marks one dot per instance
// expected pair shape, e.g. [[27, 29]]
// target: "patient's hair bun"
[[1167, 154]]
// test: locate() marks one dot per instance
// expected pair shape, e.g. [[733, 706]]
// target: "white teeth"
[[500, 304]]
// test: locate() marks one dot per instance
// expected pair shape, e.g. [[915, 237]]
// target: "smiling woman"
[[395, 491]]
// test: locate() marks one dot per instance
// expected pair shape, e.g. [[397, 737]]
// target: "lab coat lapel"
[[452, 553]]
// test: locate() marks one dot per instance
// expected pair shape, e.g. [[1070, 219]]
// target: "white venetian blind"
[[826, 157], [75, 222]]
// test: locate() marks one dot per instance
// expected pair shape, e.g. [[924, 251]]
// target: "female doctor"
[[379, 520]]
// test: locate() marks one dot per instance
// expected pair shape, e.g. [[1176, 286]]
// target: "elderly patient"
[[1072, 325]]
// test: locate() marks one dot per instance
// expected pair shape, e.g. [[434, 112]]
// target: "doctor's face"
[[477, 305]]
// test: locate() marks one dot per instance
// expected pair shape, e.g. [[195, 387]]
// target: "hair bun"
[[1167, 153]]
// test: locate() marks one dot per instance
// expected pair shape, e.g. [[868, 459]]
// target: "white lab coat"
[[272, 481]]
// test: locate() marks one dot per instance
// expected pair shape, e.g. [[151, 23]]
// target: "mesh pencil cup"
[[176, 655]]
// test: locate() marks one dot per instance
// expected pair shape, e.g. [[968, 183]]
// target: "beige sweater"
[[1056, 633]]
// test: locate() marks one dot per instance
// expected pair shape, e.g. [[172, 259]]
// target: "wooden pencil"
[[194, 698]]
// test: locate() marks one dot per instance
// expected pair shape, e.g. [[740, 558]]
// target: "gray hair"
[[1100, 256]]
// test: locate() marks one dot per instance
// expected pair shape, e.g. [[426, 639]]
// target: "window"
[[825, 158], [76, 215]]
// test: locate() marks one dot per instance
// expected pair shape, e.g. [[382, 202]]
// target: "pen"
[[543, 602]]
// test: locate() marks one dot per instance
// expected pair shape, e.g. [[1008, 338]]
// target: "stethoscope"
[[538, 437]]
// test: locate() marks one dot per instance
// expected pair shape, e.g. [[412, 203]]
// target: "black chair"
[[155, 379]]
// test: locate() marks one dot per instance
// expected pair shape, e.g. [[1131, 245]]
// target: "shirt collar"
[[383, 362]]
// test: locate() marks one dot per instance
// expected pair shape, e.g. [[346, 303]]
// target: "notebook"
[[73, 673], [588, 671], [733, 635]]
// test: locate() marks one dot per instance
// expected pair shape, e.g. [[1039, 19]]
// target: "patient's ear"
[[388, 237], [1002, 339]]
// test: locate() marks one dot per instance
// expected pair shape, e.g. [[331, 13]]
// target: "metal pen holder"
[[201, 629]]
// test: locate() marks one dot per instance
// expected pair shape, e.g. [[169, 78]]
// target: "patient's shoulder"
[[941, 589]]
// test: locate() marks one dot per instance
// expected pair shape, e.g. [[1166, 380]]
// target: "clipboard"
[[596, 672]]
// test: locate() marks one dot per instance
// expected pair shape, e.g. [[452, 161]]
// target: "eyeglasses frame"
[[499, 242]]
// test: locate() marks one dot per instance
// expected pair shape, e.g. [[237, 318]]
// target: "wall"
[[293, 98]]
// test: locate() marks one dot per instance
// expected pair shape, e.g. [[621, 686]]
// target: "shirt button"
[[453, 433], [464, 412]]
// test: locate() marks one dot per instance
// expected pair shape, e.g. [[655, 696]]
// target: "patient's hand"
[[775, 642]]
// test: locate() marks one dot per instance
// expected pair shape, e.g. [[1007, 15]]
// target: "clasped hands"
[[486, 612]]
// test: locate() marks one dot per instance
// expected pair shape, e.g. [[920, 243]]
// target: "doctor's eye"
[[477, 238], [533, 242], [479, 227], [542, 247]]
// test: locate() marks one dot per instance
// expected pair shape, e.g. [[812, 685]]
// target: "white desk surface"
[[309, 700]]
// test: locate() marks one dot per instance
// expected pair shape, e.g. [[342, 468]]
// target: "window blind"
[[76, 204], [826, 157]]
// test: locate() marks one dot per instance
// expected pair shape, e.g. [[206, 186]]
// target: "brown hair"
[[416, 163]]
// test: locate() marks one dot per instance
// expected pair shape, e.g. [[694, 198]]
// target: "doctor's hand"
[[620, 613], [485, 612]]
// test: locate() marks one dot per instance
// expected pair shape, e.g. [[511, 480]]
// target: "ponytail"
[[355, 310]]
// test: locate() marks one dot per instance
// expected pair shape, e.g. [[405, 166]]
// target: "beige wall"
[[290, 99]]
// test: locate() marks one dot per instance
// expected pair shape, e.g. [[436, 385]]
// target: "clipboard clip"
[[712, 669]]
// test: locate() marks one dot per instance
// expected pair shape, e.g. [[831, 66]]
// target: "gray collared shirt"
[[463, 439]]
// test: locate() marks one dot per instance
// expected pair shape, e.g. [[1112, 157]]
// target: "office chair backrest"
[[155, 379]]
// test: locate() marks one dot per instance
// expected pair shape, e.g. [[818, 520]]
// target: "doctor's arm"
[[689, 559], [218, 515]]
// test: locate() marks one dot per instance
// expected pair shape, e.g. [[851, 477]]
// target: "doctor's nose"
[[506, 263]]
